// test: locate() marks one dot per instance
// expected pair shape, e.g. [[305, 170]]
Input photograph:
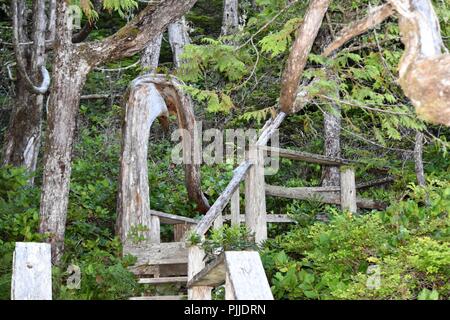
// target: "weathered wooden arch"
[[150, 97]]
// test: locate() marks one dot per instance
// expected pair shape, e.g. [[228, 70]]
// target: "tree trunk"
[[178, 38], [299, 54], [418, 150], [144, 105], [68, 79], [230, 22], [332, 131], [150, 55], [71, 65], [23, 137]]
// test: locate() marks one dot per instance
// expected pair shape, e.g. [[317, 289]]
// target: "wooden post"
[[255, 196], [31, 272], [229, 290], [218, 223], [195, 265], [348, 190], [179, 230], [245, 277], [235, 209]]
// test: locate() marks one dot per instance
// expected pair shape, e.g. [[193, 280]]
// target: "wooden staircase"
[[160, 264]]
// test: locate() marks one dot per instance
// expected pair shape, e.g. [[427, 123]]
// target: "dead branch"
[[374, 17]]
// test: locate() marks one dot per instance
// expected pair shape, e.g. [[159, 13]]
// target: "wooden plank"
[[270, 128], [218, 223], [325, 197], [375, 182], [271, 218], [167, 268], [162, 280], [308, 157], [235, 208], [255, 196], [348, 190], [195, 265], [31, 272], [179, 231], [246, 276], [216, 209], [229, 290], [211, 275], [148, 253], [167, 218]]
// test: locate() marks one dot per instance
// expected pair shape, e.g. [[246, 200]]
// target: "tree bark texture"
[[230, 22], [151, 53], [424, 70], [23, 138], [332, 132], [144, 105], [418, 150], [178, 38]]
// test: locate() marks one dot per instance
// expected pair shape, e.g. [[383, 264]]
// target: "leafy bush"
[[408, 243], [89, 242]]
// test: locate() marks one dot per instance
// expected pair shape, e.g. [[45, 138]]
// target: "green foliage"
[[120, 5], [278, 42], [89, 241], [236, 238], [103, 276], [408, 243]]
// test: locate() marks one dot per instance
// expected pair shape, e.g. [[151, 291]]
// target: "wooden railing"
[[241, 271], [201, 278], [252, 171]]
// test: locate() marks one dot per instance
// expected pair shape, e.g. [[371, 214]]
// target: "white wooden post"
[[245, 277], [32, 272], [255, 196], [195, 265], [229, 290], [235, 209], [218, 223], [348, 190]]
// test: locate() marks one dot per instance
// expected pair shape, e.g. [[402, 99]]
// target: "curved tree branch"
[[21, 65], [133, 38], [374, 17]]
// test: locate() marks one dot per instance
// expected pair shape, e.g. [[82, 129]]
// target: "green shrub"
[[408, 244]]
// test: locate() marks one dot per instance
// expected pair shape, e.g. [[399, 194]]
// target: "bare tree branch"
[[299, 54], [373, 18]]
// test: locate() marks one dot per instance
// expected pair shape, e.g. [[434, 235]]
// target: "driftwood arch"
[[150, 97]]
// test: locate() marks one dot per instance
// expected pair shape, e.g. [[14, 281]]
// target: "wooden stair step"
[[162, 280], [180, 297], [148, 253]]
